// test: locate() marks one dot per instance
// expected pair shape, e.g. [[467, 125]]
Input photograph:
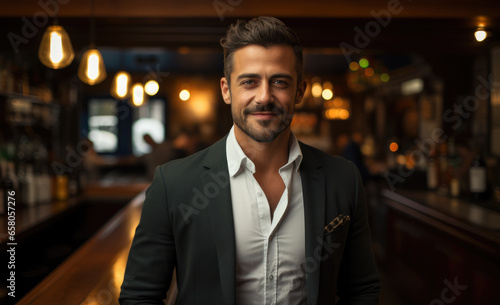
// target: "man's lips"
[[263, 115]]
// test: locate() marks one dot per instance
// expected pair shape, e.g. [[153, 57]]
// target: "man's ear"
[[301, 89], [224, 88]]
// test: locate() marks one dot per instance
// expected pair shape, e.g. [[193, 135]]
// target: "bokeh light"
[[364, 63], [184, 95], [316, 90], [369, 72], [327, 94], [394, 147], [354, 66], [151, 87]]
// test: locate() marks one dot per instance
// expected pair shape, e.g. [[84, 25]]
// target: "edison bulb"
[[480, 35], [120, 85], [137, 95], [55, 49], [92, 69]]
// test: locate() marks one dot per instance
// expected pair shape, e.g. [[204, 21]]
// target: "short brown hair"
[[263, 31]]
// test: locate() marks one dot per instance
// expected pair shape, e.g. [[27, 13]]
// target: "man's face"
[[263, 91]]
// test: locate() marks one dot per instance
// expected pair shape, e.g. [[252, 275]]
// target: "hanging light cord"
[[92, 24]]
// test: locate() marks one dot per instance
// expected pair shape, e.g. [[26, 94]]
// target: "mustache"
[[271, 107]]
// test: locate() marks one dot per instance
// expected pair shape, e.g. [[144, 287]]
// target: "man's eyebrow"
[[255, 75], [282, 75], [248, 75]]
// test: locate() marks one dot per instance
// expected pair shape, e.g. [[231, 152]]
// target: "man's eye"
[[248, 82], [281, 83]]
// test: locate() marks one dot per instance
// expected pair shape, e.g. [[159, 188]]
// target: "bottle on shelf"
[[3, 201], [25, 81], [43, 180], [9, 78], [432, 170], [45, 185], [10, 182], [444, 178], [453, 168], [4, 75], [61, 188], [23, 158], [29, 191], [478, 177]]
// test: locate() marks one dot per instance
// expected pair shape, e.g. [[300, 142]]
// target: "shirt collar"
[[236, 158]]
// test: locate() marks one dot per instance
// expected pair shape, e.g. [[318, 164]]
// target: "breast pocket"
[[335, 240]]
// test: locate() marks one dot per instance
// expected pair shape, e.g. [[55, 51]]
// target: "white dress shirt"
[[269, 252]]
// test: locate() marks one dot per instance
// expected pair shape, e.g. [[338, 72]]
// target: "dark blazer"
[[187, 224]]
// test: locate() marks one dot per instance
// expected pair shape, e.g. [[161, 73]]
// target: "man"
[[257, 218]]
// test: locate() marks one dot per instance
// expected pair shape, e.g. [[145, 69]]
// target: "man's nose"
[[264, 95]]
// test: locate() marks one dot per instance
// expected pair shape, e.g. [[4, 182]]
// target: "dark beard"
[[270, 134]]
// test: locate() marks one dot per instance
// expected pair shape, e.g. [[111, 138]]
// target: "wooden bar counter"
[[440, 249], [93, 273]]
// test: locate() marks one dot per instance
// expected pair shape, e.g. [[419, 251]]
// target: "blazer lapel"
[[221, 216], [313, 188]]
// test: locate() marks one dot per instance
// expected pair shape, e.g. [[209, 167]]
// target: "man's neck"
[[270, 156]]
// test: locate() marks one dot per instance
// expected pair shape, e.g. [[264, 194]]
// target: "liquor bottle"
[[432, 170], [3, 201], [4, 76], [444, 179], [25, 81], [3, 206], [29, 195], [10, 182], [21, 160], [45, 185], [43, 180], [73, 183], [454, 163], [478, 178], [61, 187], [9, 78]]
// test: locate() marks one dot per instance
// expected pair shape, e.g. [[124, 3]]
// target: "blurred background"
[[95, 94]]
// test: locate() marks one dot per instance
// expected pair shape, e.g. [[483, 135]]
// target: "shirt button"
[[270, 276]]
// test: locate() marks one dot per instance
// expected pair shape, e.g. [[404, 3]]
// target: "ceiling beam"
[[221, 9]]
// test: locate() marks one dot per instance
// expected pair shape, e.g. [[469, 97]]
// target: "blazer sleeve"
[[358, 281], [151, 259]]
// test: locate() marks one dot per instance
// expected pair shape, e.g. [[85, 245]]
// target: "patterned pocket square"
[[337, 223]]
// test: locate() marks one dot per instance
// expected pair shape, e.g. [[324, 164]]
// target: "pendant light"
[[55, 49], [480, 34], [92, 69], [138, 96], [120, 85], [481, 22]]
